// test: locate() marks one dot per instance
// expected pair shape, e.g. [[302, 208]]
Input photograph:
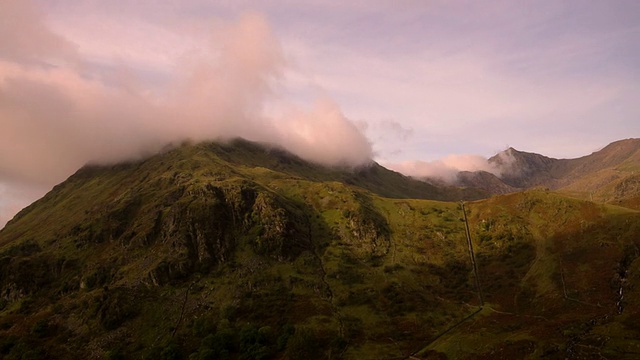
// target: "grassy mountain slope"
[[610, 175], [554, 271], [233, 251], [372, 177], [114, 249]]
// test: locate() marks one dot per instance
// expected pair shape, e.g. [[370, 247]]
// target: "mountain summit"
[[606, 175]]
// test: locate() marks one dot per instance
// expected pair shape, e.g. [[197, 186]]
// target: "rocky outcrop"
[[368, 230], [205, 226]]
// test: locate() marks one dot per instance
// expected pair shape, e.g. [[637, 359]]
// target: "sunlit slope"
[[611, 175]]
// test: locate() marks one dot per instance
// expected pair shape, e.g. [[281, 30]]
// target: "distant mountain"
[[609, 175], [523, 170], [242, 251], [485, 180]]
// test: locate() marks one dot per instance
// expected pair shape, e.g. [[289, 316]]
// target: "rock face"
[[368, 230]]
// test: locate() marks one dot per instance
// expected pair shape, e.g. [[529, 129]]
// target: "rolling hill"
[[241, 251]]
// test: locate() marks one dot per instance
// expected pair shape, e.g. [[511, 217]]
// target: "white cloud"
[[445, 169]]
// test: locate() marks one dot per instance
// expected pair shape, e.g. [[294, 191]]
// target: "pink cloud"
[[447, 168], [59, 115]]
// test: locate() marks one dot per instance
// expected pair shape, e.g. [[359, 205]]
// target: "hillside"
[[559, 277], [239, 251], [372, 177]]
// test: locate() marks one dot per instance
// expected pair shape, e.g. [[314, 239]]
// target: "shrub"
[[40, 328], [302, 345], [170, 352]]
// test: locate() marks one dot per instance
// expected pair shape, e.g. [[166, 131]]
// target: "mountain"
[[523, 170], [608, 175], [485, 180], [241, 251]]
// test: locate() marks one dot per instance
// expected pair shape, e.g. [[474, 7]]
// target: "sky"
[[424, 87]]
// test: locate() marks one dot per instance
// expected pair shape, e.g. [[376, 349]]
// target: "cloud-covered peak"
[[56, 118], [60, 110]]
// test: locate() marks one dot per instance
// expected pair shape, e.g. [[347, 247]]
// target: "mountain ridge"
[[237, 251], [588, 176], [372, 177]]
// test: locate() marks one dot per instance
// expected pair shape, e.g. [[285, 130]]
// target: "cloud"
[[324, 135], [463, 77], [59, 111], [58, 114], [387, 137], [25, 37], [447, 168], [15, 196], [499, 73]]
